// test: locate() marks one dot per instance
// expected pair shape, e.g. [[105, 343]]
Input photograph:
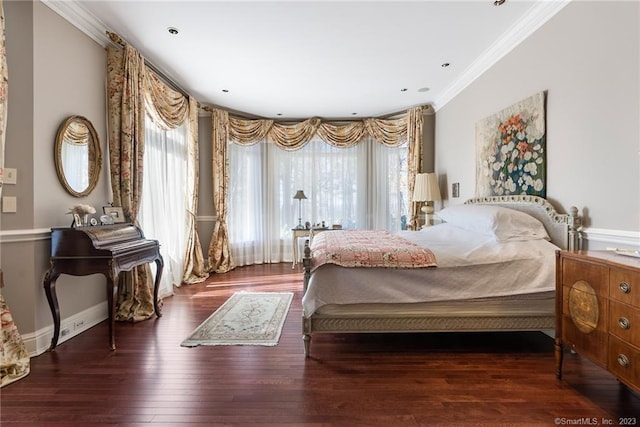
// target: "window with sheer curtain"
[[163, 206], [362, 187]]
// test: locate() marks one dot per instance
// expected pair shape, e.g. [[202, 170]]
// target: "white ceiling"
[[330, 59]]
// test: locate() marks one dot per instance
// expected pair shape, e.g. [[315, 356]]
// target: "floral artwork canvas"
[[511, 150]]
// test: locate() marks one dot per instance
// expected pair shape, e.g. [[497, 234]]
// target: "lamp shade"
[[299, 195], [426, 188]]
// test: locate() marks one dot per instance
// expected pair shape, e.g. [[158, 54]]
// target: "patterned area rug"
[[247, 318]]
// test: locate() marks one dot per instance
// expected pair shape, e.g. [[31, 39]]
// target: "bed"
[[495, 271]]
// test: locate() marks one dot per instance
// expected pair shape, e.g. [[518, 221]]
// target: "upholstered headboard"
[[564, 229]]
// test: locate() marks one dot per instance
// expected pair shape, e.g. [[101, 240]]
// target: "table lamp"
[[426, 190], [299, 196]]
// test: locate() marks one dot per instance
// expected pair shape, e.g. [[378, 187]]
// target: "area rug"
[[247, 318]]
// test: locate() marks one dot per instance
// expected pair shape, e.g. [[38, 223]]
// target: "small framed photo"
[[114, 212]]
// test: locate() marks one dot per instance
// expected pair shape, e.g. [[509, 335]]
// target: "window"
[[163, 206], [364, 187]]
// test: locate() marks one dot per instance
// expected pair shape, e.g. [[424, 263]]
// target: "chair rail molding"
[[612, 237], [25, 235]]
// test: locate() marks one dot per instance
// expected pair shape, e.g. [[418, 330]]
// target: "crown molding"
[[72, 11], [539, 14]]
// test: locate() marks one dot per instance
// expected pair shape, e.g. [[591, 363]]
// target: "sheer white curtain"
[[163, 205], [362, 187]]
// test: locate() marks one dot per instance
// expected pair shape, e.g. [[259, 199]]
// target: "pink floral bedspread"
[[369, 248]]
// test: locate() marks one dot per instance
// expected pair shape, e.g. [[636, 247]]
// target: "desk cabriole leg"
[[112, 297], [50, 291], [156, 286]]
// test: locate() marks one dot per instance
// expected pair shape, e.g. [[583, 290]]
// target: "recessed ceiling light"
[[499, 2], [403, 89], [225, 90], [423, 89], [173, 30], [354, 114], [445, 65], [278, 114]]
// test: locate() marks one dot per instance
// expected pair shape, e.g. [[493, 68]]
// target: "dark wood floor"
[[390, 380]]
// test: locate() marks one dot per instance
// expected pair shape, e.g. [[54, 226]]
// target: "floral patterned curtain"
[[133, 90], [125, 118], [415, 121], [194, 265], [219, 252], [14, 359], [292, 136]]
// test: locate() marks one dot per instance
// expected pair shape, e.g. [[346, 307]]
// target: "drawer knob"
[[623, 361], [624, 323], [624, 287]]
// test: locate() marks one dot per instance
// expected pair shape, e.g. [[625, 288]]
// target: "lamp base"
[[427, 209]]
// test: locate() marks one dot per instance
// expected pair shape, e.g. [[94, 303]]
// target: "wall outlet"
[[65, 332], [78, 324], [455, 189]]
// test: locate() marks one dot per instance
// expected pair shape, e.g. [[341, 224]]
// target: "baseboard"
[[39, 341]]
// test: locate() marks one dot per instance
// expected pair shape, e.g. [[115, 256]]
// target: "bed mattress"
[[471, 266]]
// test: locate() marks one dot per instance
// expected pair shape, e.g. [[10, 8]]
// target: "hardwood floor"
[[367, 380]]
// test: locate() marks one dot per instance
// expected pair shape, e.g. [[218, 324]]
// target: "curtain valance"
[[168, 108], [292, 136]]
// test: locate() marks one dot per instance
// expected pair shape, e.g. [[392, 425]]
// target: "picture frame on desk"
[[115, 212]]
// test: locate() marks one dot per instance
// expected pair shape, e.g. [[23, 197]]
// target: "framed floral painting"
[[511, 150]]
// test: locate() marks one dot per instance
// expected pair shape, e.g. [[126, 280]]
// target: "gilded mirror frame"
[[94, 156]]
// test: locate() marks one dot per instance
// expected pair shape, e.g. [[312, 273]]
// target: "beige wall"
[[206, 212], [54, 71], [587, 59]]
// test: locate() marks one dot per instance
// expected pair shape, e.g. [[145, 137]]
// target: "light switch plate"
[[9, 204], [10, 175]]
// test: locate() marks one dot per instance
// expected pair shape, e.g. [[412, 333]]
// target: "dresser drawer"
[[624, 322], [624, 286], [624, 362], [597, 276]]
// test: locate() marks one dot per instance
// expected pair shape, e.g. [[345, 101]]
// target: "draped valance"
[[293, 136]]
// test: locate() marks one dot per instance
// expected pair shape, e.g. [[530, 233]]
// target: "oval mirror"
[[78, 157]]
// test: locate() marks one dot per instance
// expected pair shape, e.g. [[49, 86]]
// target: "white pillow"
[[503, 223]]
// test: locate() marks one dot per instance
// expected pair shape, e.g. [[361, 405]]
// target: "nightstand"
[[304, 232], [297, 233]]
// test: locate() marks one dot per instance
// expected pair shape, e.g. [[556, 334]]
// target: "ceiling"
[[330, 59]]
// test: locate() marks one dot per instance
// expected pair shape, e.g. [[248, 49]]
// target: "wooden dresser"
[[598, 311]]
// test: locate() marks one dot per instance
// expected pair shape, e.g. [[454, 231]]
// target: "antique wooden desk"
[[106, 249]]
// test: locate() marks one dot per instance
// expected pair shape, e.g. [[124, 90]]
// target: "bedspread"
[[369, 248]]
